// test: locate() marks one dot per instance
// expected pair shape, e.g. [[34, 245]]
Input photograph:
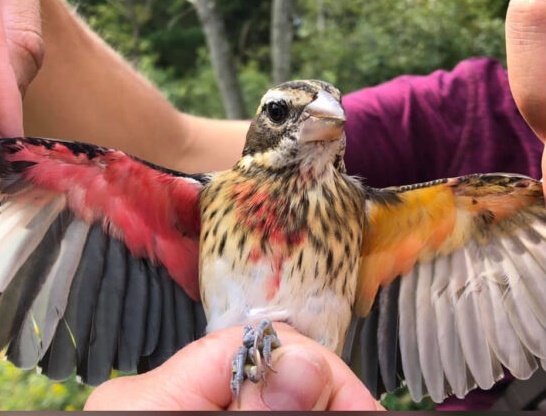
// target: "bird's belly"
[[270, 289], [292, 257]]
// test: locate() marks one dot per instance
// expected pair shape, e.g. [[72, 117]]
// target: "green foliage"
[[365, 42], [401, 400], [26, 390], [169, 47], [350, 43]]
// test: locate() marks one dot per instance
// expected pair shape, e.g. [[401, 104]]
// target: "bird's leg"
[[254, 355], [270, 342], [238, 370]]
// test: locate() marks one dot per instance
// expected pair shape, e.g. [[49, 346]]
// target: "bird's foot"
[[254, 357]]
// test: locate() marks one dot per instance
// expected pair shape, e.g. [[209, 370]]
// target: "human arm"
[[307, 377], [85, 91]]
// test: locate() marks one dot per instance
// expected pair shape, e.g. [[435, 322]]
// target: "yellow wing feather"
[[428, 220]]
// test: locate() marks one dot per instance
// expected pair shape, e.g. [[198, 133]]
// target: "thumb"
[[301, 380], [526, 59], [306, 376]]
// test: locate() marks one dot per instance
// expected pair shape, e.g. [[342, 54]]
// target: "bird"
[[110, 261]]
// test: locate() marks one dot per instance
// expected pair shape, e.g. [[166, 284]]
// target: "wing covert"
[[92, 243]]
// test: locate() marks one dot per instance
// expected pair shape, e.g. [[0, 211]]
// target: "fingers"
[[23, 28], [526, 58], [302, 381], [195, 378], [306, 377], [21, 53], [11, 113]]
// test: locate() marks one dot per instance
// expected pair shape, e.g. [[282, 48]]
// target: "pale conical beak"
[[323, 119]]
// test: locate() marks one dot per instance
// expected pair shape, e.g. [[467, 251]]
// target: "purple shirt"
[[417, 128], [449, 123]]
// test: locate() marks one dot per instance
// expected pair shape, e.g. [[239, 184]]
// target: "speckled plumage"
[[283, 247]]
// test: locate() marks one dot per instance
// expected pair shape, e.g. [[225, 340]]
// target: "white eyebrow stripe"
[[275, 95]]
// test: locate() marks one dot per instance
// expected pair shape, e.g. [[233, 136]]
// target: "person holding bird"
[[293, 120]]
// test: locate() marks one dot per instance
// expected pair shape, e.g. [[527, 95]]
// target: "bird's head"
[[298, 123]]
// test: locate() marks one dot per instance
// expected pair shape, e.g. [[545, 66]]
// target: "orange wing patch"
[[435, 219], [397, 234]]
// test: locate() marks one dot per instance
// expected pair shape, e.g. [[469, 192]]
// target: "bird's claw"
[[254, 357]]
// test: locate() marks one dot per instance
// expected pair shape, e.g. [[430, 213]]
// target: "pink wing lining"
[[155, 213]]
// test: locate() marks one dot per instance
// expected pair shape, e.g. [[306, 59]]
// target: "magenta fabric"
[[449, 123]]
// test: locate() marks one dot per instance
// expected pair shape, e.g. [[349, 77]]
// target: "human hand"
[[307, 377], [526, 57], [21, 55]]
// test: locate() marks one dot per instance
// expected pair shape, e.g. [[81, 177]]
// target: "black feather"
[[166, 345], [59, 360], [350, 340], [369, 349], [84, 293], [387, 335], [200, 320], [13, 183], [185, 319], [153, 316], [71, 338], [373, 348], [133, 321], [104, 336]]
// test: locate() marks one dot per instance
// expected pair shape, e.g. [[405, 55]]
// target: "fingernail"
[[299, 382]]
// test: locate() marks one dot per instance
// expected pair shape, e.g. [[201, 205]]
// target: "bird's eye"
[[277, 111]]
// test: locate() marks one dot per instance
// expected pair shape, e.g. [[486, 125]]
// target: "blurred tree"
[[221, 57], [281, 39], [352, 44]]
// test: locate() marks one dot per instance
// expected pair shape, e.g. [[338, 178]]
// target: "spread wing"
[[471, 299], [98, 259]]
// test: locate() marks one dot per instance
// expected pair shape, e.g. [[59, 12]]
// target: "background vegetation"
[[352, 44]]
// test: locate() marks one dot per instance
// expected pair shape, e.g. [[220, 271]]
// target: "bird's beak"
[[323, 119]]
